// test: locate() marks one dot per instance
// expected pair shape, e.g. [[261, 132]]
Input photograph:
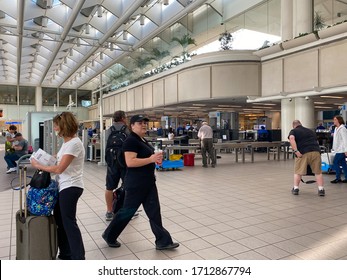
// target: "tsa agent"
[[140, 188]]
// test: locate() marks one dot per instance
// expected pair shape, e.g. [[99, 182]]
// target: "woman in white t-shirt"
[[69, 170]]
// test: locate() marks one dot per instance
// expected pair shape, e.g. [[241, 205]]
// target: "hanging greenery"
[[318, 22], [226, 40]]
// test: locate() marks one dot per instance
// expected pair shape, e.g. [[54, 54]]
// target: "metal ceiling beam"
[[68, 26], [20, 28], [172, 20], [125, 17]]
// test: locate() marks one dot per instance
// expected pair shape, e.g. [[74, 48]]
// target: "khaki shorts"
[[312, 159]]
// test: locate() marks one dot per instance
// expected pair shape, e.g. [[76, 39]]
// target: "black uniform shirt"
[[139, 176]]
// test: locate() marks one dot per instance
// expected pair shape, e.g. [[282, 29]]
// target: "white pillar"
[[102, 133], [276, 120], [304, 112], [303, 16], [287, 19], [288, 116], [38, 99]]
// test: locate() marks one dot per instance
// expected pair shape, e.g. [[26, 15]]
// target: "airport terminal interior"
[[244, 67]]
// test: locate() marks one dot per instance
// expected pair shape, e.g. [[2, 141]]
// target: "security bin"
[[188, 159]]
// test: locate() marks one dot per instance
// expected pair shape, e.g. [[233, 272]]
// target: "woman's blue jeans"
[[340, 160]]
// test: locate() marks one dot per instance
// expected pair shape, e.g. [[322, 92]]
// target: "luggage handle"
[[24, 183]]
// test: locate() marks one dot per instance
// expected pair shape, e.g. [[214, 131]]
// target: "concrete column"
[[288, 115], [287, 19], [276, 120], [304, 112], [303, 16], [38, 99]]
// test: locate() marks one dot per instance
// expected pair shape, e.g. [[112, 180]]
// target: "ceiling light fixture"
[[142, 20], [101, 56], [49, 4], [44, 21], [125, 35], [85, 69], [71, 52], [99, 11], [87, 30], [78, 42], [93, 63], [111, 47], [166, 2], [65, 59]]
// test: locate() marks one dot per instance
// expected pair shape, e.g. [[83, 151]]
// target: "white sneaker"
[[12, 169]]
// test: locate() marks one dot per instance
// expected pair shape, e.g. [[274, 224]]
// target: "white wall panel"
[[194, 84]]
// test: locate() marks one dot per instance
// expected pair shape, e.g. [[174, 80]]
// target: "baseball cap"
[[138, 118]]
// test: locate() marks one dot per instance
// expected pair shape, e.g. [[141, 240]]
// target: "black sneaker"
[[109, 216], [321, 192], [344, 181], [295, 191], [336, 181], [114, 244], [168, 247]]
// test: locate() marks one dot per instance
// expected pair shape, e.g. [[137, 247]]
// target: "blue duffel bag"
[[41, 202]]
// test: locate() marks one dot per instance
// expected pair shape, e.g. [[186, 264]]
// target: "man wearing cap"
[[20, 146], [140, 187], [114, 172], [206, 137]]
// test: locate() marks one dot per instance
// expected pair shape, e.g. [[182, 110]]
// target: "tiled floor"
[[234, 211]]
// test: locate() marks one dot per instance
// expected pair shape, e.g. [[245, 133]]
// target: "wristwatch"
[[296, 151]]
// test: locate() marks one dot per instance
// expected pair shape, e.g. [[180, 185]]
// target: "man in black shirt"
[[307, 152]]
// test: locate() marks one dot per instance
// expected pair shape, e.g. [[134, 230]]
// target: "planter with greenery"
[[185, 41], [302, 39], [267, 50], [336, 29]]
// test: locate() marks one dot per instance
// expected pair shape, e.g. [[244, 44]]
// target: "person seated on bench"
[[20, 146]]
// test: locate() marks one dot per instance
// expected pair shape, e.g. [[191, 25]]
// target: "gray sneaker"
[[109, 216], [295, 191], [321, 192]]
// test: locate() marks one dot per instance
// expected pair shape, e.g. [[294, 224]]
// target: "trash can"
[[188, 159]]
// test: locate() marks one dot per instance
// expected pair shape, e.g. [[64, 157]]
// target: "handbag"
[[41, 202], [41, 179]]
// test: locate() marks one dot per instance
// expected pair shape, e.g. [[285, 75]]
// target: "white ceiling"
[[67, 43]]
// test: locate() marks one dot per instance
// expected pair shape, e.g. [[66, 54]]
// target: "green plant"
[[185, 41], [226, 40], [318, 22], [143, 62]]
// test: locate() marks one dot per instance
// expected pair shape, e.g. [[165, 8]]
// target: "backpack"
[[114, 152]]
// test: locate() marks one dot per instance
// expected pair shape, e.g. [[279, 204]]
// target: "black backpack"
[[114, 154]]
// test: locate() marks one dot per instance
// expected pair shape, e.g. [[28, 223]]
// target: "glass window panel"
[[49, 96], [64, 96], [8, 94], [84, 98], [26, 96]]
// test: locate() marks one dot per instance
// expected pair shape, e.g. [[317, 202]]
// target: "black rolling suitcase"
[[36, 236]]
